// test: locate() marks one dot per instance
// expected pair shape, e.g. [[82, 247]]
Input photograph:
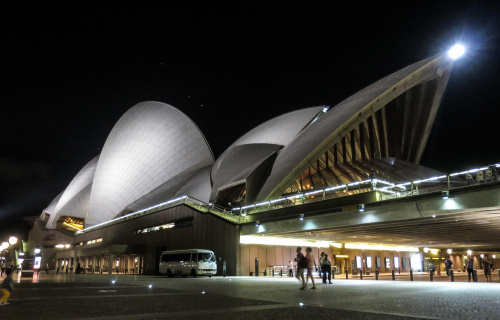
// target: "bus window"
[[184, 257], [194, 257], [206, 257]]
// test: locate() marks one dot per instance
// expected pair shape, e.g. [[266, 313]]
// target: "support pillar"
[[110, 264]]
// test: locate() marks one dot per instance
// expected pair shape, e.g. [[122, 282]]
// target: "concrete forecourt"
[[70, 296]]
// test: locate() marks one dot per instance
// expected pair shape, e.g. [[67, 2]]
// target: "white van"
[[192, 262]]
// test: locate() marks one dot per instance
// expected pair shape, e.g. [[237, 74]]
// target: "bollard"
[[431, 274], [256, 267], [376, 274], [346, 273], [282, 273], [272, 271], [360, 274], [411, 275], [451, 275], [333, 273], [393, 275]]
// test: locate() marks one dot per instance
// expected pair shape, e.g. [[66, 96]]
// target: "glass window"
[[358, 262], [368, 262], [396, 262], [377, 260], [387, 262], [403, 262], [206, 257], [185, 257]]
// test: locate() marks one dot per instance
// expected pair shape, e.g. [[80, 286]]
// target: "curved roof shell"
[[317, 138], [246, 154], [151, 144], [73, 202]]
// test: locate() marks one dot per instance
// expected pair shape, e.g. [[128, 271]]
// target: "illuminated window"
[[368, 262], [396, 262], [156, 228], [359, 264]]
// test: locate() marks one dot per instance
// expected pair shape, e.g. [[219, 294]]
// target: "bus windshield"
[[206, 257]]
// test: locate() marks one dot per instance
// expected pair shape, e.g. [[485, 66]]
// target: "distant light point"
[[456, 51]]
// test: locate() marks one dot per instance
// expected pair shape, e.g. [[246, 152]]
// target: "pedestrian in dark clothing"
[[326, 268], [469, 263], [301, 265], [487, 268], [448, 264]]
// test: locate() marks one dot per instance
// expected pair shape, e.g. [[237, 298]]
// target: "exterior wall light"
[[445, 194], [361, 207], [449, 251], [469, 252], [257, 224], [301, 217]]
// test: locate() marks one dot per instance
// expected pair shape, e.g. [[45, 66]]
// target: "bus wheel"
[[169, 273], [210, 276], [193, 273]]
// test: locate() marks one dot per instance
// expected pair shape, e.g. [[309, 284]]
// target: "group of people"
[[309, 262], [487, 175], [469, 265]]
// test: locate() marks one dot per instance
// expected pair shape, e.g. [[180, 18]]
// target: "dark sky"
[[70, 69]]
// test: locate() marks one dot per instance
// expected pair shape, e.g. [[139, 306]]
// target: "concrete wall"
[[204, 231]]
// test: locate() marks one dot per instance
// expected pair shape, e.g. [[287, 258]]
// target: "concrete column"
[[110, 263]]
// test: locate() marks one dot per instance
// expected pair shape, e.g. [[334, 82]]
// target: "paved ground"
[[70, 296]]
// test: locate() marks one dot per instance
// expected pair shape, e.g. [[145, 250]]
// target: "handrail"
[[189, 201], [391, 190]]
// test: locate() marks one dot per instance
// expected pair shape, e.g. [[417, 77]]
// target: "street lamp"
[[12, 240]]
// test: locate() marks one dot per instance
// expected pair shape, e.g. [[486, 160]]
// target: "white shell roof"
[[52, 206], [312, 141], [246, 153], [280, 130], [152, 143], [80, 181], [72, 203]]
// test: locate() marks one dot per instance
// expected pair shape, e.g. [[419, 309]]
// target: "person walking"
[[301, 265], [487, 268], [469, 264], [322, 256], [7, 287], [326, 268], [290, 268], [448, 264], [432, 267], [310, 262]]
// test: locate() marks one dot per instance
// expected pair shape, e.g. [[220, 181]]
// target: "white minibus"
[[192, 262]]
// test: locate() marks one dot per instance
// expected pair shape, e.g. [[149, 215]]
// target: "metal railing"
[[387, 189], [189, 201]]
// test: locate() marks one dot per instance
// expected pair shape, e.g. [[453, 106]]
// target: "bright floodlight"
[[456, 51], [12, 240]]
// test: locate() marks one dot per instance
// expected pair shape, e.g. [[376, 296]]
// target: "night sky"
[[70, 69]]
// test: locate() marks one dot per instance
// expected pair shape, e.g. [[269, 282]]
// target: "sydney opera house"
[[156, 185]]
